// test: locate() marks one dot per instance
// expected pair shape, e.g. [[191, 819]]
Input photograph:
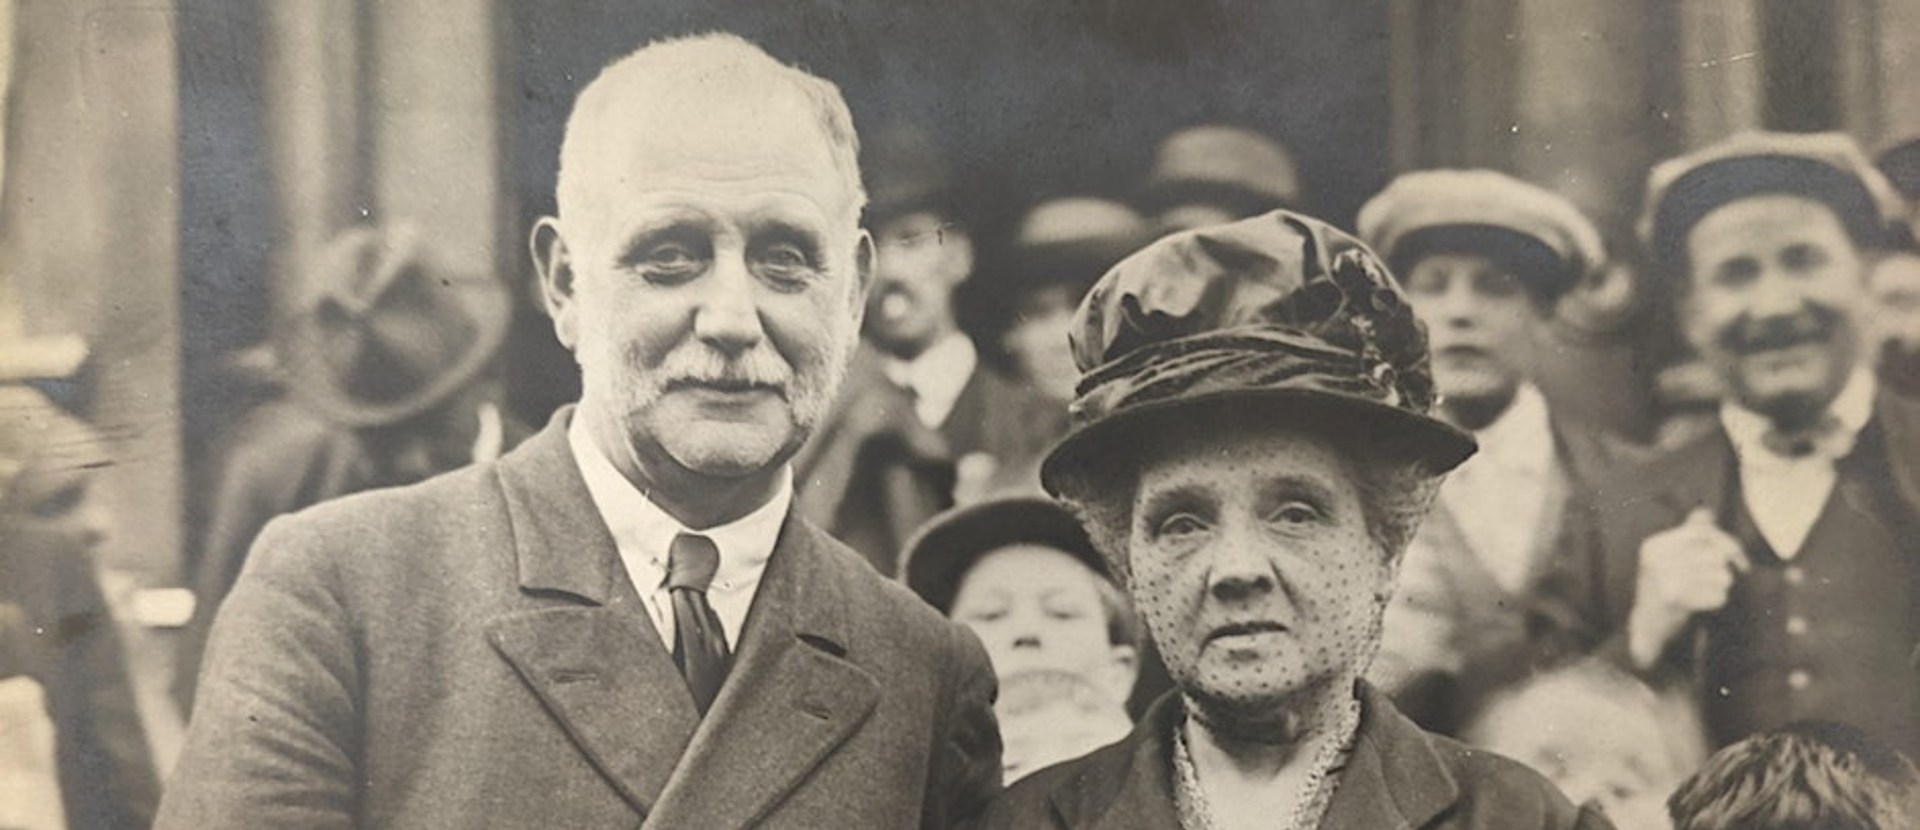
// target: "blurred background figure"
[[1022, 574], [1216, 173], [1806, 776], [1765, 569], [73, 750], [1484, 259], [1062, 247], [387, 380], [921, 423], [1894, 328], [1598, 734]]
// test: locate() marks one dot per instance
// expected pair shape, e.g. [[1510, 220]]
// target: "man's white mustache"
[[757, 367]]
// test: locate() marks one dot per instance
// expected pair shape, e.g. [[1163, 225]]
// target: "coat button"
[[1795, 575], [1796, 625], [1799, 680]]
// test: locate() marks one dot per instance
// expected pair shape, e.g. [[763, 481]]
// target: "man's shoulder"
[[869, 593], [369, 527]]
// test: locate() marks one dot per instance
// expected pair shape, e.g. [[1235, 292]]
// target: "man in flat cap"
[[1252, 451], [1483, 258], [924, 421], [1770, 566], [621, 623]]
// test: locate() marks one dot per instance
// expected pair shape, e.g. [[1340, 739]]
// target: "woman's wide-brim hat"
[[947, 546], [389, 331], [1281, 311]]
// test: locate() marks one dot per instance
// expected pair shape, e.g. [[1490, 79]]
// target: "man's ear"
[[554, 263], [864, 255], [956, 255]]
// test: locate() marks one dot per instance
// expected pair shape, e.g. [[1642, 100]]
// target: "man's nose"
[[1776, 294], [728, 316], [1240, 569]]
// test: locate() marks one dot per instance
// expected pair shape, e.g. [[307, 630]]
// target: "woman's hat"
[[1280, 309]]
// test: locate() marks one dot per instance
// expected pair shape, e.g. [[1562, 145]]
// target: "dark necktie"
[[699, 643]]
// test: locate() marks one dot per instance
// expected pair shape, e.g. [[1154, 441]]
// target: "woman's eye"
[[1180, 525], [1296, 513]]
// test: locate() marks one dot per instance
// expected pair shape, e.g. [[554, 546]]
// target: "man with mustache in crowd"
[[1769, 568], [621, 623], [924, 422]]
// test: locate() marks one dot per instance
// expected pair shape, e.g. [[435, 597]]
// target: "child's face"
[[1035, 607]]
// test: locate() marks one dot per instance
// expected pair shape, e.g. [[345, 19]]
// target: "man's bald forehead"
[[718, 84]]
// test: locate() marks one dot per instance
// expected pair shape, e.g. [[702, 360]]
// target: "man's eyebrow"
[[674, 227]]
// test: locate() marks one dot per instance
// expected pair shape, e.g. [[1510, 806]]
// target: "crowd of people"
[[1223, 516]]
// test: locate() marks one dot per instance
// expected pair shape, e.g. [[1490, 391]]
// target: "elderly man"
[[1769, 567], [1252, 452], [620, 623], [1484, 259]]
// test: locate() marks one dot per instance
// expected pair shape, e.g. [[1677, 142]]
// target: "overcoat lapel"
[[591, 654], [791, 699]]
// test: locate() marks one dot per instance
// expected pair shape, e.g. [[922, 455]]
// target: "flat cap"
[[1827, 167], [1546, 241], [1281, 308]]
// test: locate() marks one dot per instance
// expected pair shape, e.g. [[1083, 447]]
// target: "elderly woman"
[[1252, 450]]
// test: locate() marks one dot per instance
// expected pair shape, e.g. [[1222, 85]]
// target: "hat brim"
[[947, 546], [490, 307], [1099, 444]]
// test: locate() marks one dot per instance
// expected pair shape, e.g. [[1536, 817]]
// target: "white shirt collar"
[[1522, 435], [936, 376], [638, 524], [1853, 407]]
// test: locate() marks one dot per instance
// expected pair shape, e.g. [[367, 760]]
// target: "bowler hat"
[[1222, 164], [1073, 240], [946, 547], [906, 170], [1547, 243], [1282, 310], [1827, 167], [390, 332]]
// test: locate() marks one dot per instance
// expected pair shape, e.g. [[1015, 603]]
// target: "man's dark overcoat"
[[469, 652]]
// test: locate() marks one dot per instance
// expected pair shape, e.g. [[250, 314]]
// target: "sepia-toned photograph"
[[1085, 415]]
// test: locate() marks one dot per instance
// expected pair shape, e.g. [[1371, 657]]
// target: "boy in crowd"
[[1022, 574]]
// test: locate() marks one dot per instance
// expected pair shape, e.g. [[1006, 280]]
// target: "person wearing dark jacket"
[[1253, 449], [1766, 570]]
